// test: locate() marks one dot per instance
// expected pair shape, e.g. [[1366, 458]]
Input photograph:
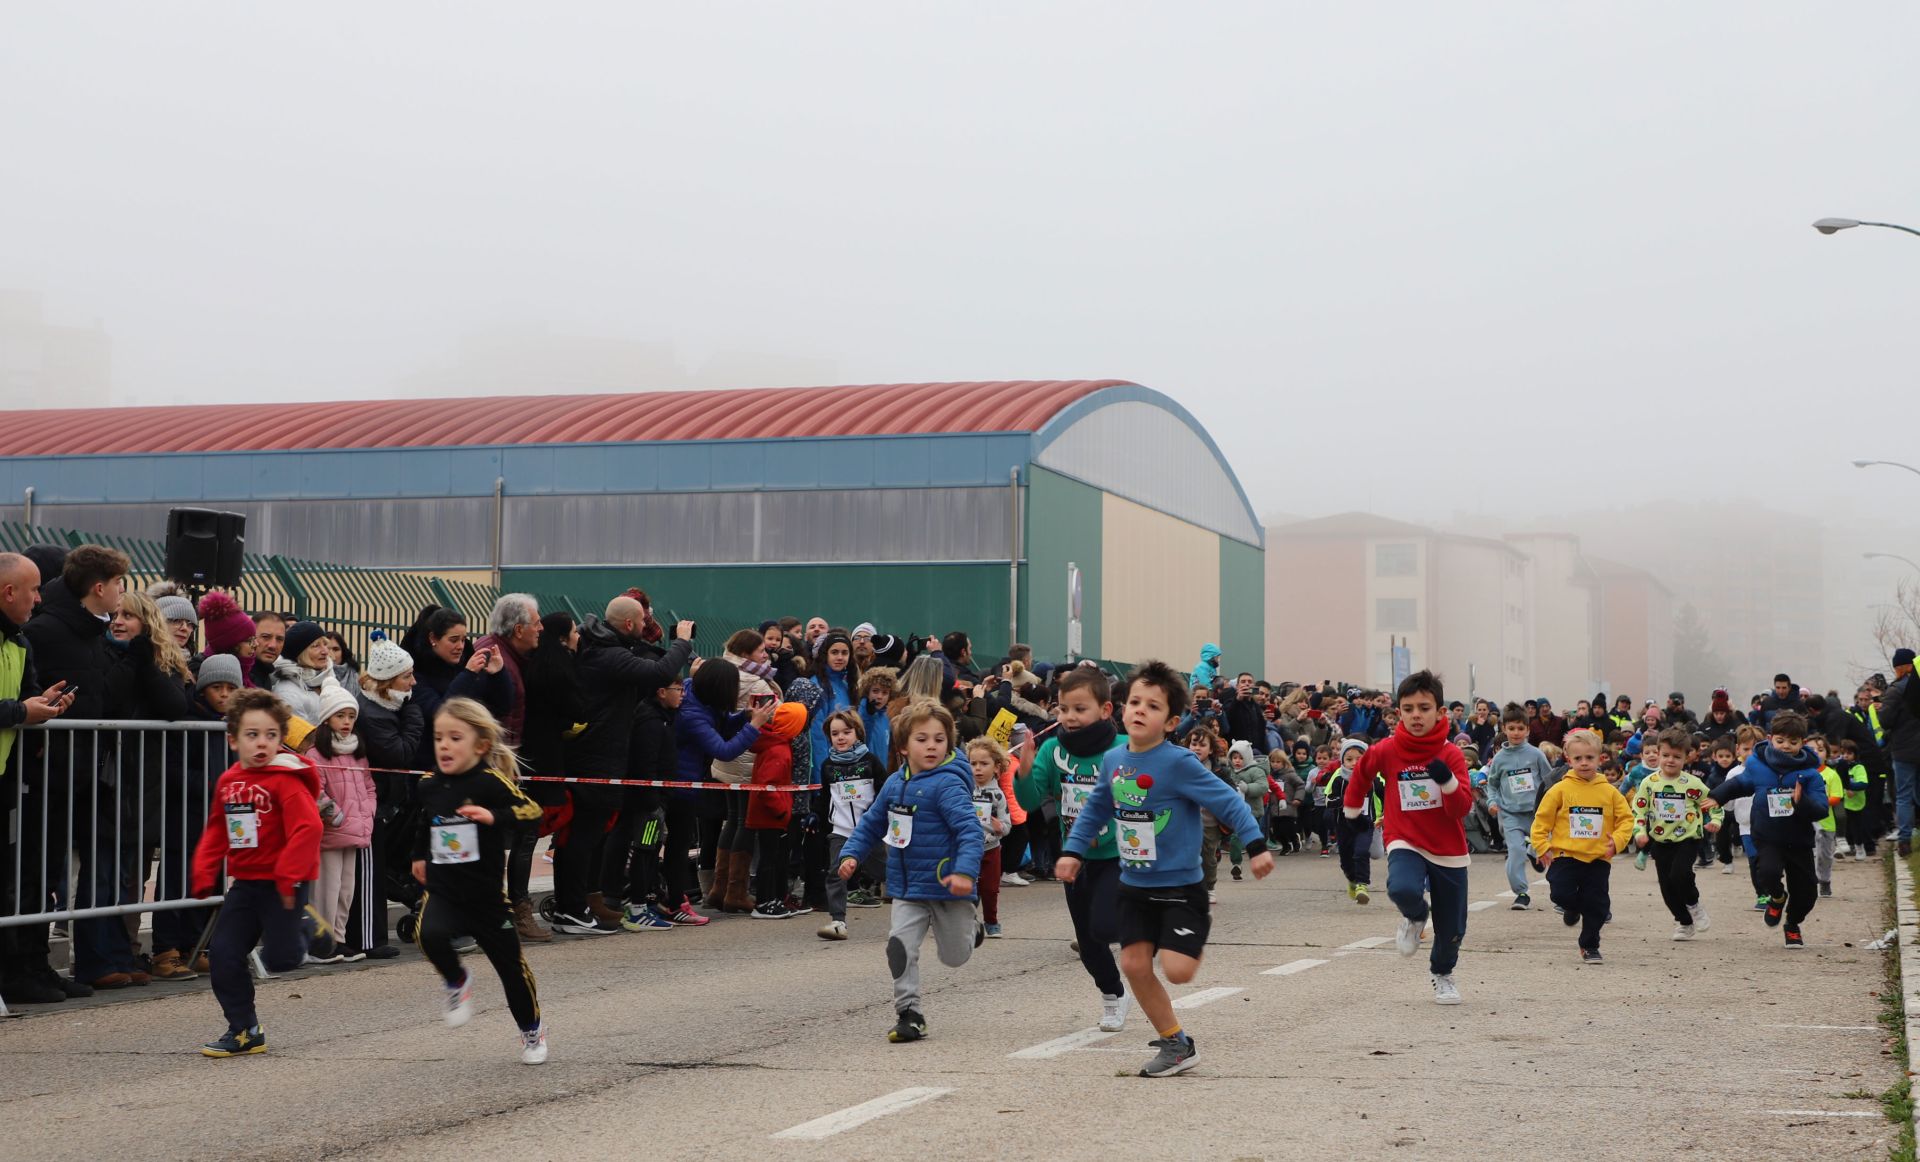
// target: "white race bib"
[[1135, 837], [1073, 798], [1520, 782], [1670, 808], [1419, 794], [856, 792], [454, 841], [983, 811], [1583, 822], [243, 826], [1780, 804], [899, 826]]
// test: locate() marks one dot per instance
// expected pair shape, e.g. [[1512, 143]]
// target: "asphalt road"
[[713, 1042]]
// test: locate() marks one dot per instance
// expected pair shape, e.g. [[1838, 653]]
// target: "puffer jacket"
[[391, 740], [701, 738], [346, 780], [774, 765], [946, 836], [1251, 779]]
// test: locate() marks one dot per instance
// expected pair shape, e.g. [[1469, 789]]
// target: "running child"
[[989, 762], [264, 823], [1427, 801], [1782, 776], [925, 814], [1583, 822], [1670, 809], [1151, 795], [1069, 765], [1516, 778], [469, 810], [850, 779], [1826, 835], [1859, 827], [1355, 835]]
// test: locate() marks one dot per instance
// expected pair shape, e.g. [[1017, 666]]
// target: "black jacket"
[[555, 703], [653, 754], [1245, 722], [70, 645], [1898, 719], [393, 742], [616, 672]]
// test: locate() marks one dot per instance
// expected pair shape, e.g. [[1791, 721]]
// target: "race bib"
[[1520, 782], [1418, 793], [900, 826], [983, 811], [1584, 822], [454, 840], [1670, 808], [1135, 837], [243, 826], [858, 793], [1779, 804], [1073, 798]]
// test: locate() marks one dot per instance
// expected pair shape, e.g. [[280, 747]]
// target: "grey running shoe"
[[1176, 1055]]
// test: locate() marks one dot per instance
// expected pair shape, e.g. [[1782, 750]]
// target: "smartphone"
[[760, 701]]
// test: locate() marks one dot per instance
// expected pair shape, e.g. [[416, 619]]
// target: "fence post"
[[440, 593], [288, 581]]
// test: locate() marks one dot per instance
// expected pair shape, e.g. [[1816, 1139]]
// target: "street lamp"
[[1835, 225], [1887, 463], [1890, 557]]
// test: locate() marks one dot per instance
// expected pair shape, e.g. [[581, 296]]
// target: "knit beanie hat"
[[218, 668], [1721, 701], [386, 661], [334, 698], [1358, 744], [300, 635], [226, 625], [177, 608]]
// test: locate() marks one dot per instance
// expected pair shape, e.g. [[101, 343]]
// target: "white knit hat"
[[334, 698], [386, 661]]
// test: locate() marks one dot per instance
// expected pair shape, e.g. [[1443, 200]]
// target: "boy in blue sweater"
[[1789, 797], [1151, 793], [925, 814], [1516, 778]]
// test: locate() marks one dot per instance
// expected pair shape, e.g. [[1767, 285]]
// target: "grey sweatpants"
[[955, 934], [1823, 856]]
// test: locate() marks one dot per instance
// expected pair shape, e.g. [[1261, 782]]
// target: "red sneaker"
[[684, 914]]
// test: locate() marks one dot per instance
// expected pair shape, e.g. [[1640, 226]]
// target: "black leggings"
[[734, 835], [1795, 864], [1286, 832], [1092, 899], [1674, 864], [521, 839], [491, 926], [683, 835], [770, 872]]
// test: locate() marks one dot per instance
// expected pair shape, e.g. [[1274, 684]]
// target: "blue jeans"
[[1410, 878], [1903, 797], [1516, 830]]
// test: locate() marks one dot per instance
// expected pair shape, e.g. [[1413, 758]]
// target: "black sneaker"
[[1569, 917], [237, 1043], [1538, 867], [586, 924], [1793, 938], [1774, 906], [772, 910], [910, 1027], [1522, 902], [382, 952], [1826, 889], [1591, 956], [32, 990], [1236, 871], [1176, 1055]]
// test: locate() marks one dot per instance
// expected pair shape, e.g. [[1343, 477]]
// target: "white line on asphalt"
[[1479, 905], [1830, 1028], [866, 1111], [1505, 895], [1369, 942], [1293, 966], [1826, 1113], [1204, 997], [1059, 1045]]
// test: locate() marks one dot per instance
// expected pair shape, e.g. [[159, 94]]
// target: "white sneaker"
[[1113, 1011], [533, 1046], [1700, 920], [1407, 940], [1015, 880], [1683, 932], [1213, 897], [1726, 869], [833, 930], [459, 1002], [1445, 992]]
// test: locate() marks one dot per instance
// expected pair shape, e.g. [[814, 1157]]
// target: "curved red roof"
[[873, 410]]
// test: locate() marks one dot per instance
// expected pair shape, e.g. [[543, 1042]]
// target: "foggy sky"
[[1418, 259]]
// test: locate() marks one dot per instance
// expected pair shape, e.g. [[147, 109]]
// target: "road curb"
[[1907, 920]]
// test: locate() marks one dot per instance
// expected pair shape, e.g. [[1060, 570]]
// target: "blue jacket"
[[1509, 761], [1767, 770], [834, 696], [1178, 787], [1206, 671], [700, 739], [946, 833], [879, 728]]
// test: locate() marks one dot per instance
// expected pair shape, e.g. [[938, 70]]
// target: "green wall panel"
[[1063, 524], [899, 599], [1243, 604]]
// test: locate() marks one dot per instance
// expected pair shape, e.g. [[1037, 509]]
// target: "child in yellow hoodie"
[[1582, 823]]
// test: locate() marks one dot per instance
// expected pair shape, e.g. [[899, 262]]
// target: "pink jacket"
[[348, 783]]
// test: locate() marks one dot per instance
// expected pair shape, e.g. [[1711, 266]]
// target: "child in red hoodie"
[[1427, 802], [770, 812], [266, 826]]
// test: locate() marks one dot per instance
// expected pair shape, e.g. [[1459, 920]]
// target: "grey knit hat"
[[176, 608], [218, 668]]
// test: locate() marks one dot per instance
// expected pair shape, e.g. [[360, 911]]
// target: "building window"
[[1396, 613], [1396, 560]]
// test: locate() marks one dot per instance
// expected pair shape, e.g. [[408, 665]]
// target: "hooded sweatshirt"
[[1423, 814], [1578, 817], [1251, 778], [1516, 778], [1769, 776], [264, 823], [773, 765], [1209, 668]]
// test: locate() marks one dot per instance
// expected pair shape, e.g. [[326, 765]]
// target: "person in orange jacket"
[[769, 812]]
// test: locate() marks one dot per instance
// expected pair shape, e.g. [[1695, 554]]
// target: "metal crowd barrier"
[[103, 817]]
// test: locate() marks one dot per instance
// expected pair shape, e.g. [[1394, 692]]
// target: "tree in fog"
[[1697, 669]]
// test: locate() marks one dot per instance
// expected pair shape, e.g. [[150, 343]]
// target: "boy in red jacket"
[[266, 826], [1427, 802]]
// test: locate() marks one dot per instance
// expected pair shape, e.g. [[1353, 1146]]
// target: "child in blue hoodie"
[[1789, 797], [925, 814], [1151, 793], [1517, 775]]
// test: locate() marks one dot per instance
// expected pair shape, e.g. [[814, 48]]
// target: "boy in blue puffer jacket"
[[1789, 796], [925, 814]]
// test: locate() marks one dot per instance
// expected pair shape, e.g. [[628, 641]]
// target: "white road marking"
[[1059, 1045], [1505, 895], [1830, 1028], [844, 1120], [1369, 942], [1826, 1113], [1204, 997], [1480, 905], [1292, 967]]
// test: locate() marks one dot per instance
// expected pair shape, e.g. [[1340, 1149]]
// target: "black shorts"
[[1170, 919]]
